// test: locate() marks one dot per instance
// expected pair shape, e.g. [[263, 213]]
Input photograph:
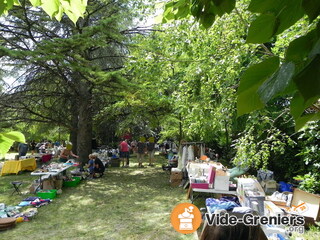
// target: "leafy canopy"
[[54, 8], [298, 74]]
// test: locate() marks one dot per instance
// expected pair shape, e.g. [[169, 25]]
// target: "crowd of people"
[[142, 148], [44, 146]]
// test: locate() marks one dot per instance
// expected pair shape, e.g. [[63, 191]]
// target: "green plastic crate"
[[73, 183], [77, 178], [47, 194]]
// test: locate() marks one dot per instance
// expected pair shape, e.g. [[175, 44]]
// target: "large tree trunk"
[[84, 139], [74, 125]]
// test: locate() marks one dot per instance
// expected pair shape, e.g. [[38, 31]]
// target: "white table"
[[201, 190], [50, 174]]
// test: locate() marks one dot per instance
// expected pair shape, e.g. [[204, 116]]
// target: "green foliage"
[[310, 153], [74, 9], [259, 141], [7, 139], [248, 98], [309, 182], [298, 74]]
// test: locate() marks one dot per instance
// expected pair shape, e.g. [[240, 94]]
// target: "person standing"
[[141, 149], [22, 149], [151, 150], [66, 153], [124, 152]]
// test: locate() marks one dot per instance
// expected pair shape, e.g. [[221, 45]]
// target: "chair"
[[16, 185]]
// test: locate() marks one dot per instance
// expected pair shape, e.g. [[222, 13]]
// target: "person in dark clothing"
[[22, 149], [33, 146], [151, 150], [141, 149], [98, 166]]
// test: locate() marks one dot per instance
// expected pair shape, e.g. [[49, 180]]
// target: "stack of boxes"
[[175, 177], [251, 194], [209, 176]]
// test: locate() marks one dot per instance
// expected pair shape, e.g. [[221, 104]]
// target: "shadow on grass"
[[127, 203]]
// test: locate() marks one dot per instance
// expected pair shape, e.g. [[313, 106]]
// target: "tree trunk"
[[74, 125], [84, 139]]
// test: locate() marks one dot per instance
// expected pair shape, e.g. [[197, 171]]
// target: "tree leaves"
[[267, 22], [277, 83], [261, 6], [275, 18], [308, 80], [202, 10], [312, 8], [54, 8], [248, 98], [7, 139]]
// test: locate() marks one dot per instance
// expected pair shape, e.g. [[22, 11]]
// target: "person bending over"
[[66, 153], [98, 166]]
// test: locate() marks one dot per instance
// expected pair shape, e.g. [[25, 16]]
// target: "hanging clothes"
[[180, 166], [190, 153], [202, 151], [184, 156]]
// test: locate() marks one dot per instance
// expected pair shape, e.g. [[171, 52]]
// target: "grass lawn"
[[127, 203]]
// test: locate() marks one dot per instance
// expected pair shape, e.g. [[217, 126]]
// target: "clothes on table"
[[242, 210], [227, 203]]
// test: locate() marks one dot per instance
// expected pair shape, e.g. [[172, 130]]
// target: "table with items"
[[208, 178], [16, 166], [51, 171]]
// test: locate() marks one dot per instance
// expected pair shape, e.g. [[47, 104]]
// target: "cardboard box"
[[306, 204], [255, 203], [221, 180], [175, 182], [270, 209], [175, 175], [251, 194], [269, 186], [47, 184], [115, 162], [58, 183]]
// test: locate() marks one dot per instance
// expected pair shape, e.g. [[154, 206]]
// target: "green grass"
[[127, 203]]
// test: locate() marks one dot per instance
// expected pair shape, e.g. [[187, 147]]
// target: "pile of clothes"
[[10, 215], [35, 202], [226, 204]]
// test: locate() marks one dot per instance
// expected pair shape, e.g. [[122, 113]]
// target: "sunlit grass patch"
[[127, 203]]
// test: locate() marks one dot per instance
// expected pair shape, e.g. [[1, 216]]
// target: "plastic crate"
[[47, 194], [75, 181], [115, 162], [77, 178]]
